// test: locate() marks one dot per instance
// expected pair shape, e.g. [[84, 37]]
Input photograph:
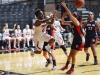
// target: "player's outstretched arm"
[[74, 20]]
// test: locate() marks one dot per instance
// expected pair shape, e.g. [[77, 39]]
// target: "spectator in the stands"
[[98, 19], [67, 33]]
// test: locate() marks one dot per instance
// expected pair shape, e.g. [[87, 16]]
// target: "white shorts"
[[59, 39], [40, 39], [6, 38], [29, 38], [19, 38]]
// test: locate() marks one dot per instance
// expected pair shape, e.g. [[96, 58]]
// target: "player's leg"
[[60, 41], [50, 40], [69, 38], [93, 45], [27, 40], [9, 44], [87, 45], [14, 40], [72, 56], [24, 42]]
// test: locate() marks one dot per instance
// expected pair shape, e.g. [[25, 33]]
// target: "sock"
[[67, 63], [72, 65], [14, 45], [9, 45], [63, 48], [28, 44], [24, 45], [33, 44], [95, 57], [48, 60], [54, 63]]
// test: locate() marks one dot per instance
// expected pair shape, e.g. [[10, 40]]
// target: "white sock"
[[9, 45], [14, 45], [24, 45]]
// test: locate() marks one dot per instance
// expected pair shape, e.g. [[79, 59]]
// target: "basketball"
[[79, 3]]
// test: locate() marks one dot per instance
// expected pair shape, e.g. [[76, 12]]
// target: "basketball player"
[[32, 35], [6, 36], [50, 31], [40, 35], [78, 40], [18, 36], [91, 36], [58, 36], [27, 34]]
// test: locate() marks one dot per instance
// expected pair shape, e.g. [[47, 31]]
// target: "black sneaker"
[[47, 64], [87, 57], [95, 62]]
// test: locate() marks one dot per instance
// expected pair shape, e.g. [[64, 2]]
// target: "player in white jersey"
[[32, 35], [58, 36], [27, 34], [6, 35], [18, 36], [40, 35]]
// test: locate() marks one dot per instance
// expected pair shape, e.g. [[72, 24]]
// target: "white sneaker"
[[54, 67], [48, 49]]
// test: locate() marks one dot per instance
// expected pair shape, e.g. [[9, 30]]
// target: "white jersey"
[[6, 33], [18, 33], [27, 32], [56, 25], [40, 29]]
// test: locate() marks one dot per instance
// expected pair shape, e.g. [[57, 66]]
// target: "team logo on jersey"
[[77, 46], [93, 40]]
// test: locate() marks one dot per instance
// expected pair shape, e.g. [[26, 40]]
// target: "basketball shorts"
[[40, 39], [5, 38], [78, 43], [92, 40], [59, 39]]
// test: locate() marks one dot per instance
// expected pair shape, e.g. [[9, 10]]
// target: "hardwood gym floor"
[[23, 64]]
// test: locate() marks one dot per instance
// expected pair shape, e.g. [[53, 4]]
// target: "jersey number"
[[89, 28]]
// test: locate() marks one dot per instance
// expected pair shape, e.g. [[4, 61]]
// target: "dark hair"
[[37, 12], [79, 18]]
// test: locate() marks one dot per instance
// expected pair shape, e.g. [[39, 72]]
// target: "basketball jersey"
[[49, 30], [27, 32], [6, 33], [40, 29], [56, 25], [77, 30], [18, 33], [90, 29]]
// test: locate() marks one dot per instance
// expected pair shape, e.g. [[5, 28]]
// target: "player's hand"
[[14, 25], [63, 3], [54, 13], [64, 15]]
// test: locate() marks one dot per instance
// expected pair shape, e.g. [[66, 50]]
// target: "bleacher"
[[19, 14]]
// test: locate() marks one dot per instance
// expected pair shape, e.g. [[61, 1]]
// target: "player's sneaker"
[[54, 67], [9, 49], [95, 62], [47, 64], [64, 67], [87, 57], [70, 71]]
